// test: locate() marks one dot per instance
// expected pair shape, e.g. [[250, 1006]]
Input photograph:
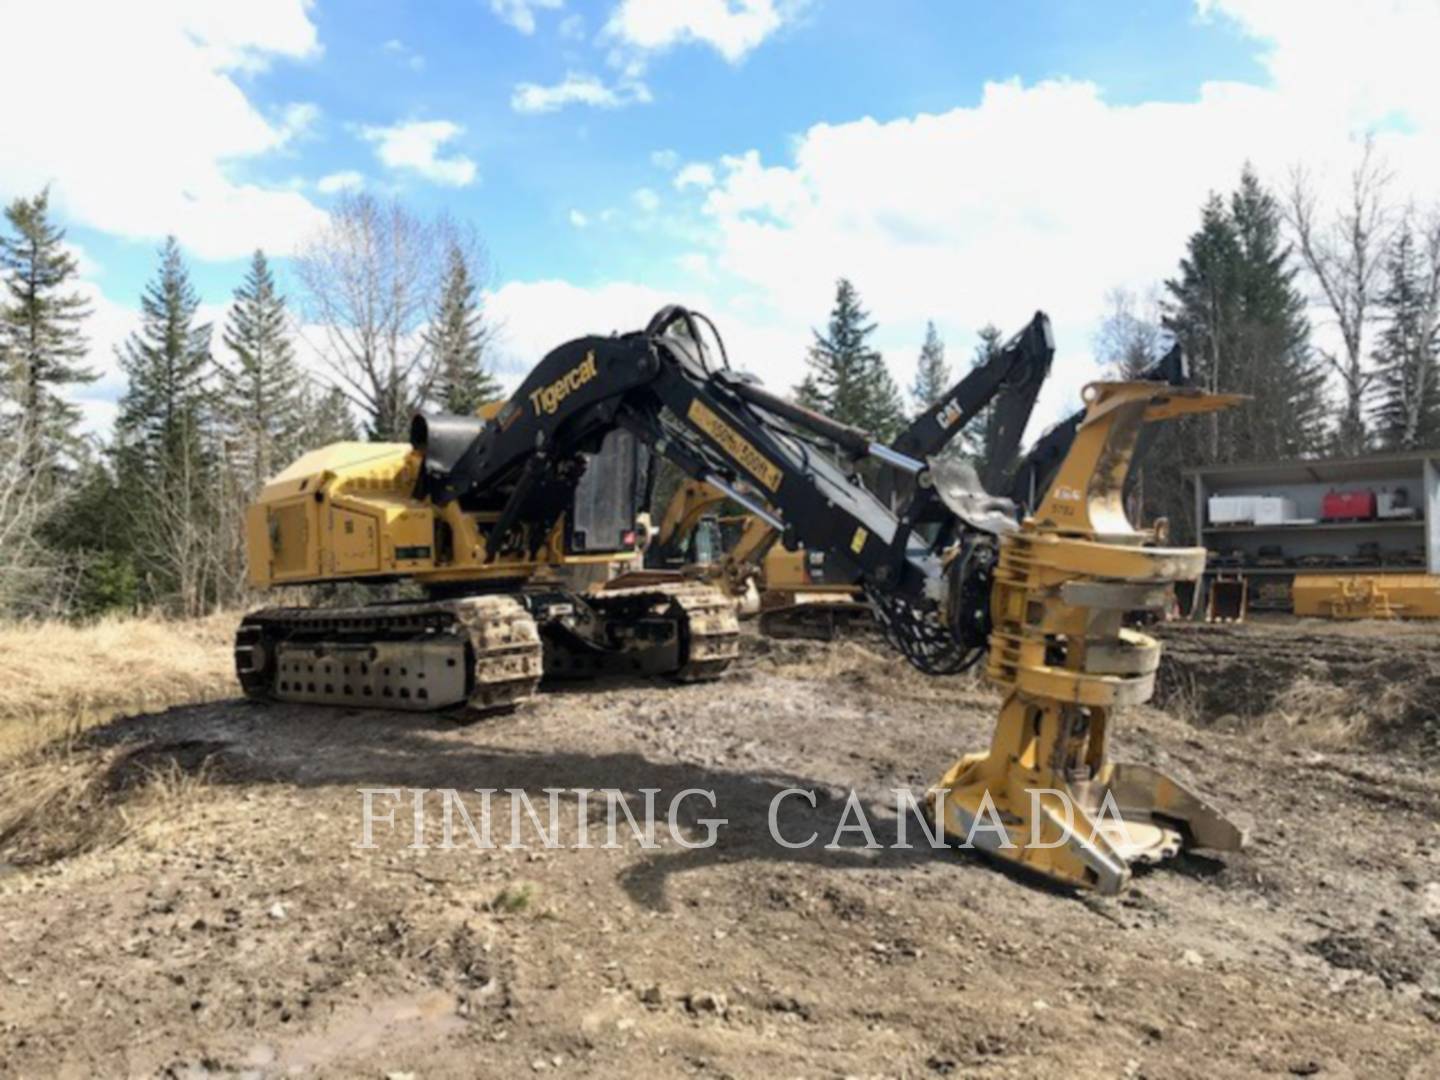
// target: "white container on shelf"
[[1274, 510], [1394, 506], [1232, 509]]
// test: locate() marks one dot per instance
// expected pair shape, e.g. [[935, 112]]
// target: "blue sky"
[[962, 161]]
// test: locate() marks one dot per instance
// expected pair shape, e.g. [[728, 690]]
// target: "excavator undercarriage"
[[484, 652]]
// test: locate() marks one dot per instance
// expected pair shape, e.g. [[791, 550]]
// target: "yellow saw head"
[[1045, 795]]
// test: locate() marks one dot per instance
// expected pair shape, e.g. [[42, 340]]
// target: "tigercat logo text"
[[548, 398]]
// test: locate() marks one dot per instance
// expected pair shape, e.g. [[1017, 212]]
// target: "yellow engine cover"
[[349, 511]]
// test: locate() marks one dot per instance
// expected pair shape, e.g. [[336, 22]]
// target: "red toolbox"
[[1348, 506]]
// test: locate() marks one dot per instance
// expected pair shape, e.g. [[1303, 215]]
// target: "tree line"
[[1254, 273], [389, 305], [847, 378], [387, 311]]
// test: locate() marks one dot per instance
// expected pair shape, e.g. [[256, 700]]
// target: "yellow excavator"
[[499, 517]]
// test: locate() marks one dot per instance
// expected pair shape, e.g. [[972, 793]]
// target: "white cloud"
[[731, 27], [405, 54], [94, 137], [1365, 63], [1038, 196], [521, 13], [536, 316], [577, 89], [415, 146], [578, 219], [572, 27], [696, 263], [298, 120], [345, 180], [646, 199], [695, 174], [664, 159]]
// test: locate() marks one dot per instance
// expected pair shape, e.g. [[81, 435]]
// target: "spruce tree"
[[167, 362], [457, 340], [977, 442], [932, 373], [1275, 364], [1407, 355], [40, 336], [165, 446], [260, 387], [848, 379], [1200, 310], [1236, 311]]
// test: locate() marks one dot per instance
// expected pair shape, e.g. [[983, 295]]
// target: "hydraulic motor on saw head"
[[1045, 795]]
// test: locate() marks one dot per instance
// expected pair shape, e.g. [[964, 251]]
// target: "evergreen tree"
[[932, 373], [848, 380], [179, 505], [260, 388], [1407, 356], [1236, 311], [1271, 341], [167, 361], [1200, 309], [40, 335], [977, 441], [457, 339]]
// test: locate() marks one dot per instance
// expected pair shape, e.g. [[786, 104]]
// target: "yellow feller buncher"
[[512, 520]]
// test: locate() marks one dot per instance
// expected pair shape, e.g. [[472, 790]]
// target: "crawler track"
[[483, 651]]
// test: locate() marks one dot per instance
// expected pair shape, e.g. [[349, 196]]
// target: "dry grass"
[[60, 801], [57, 679], [1311, 711]]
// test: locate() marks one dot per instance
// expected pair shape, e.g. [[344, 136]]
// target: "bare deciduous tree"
[[372, 280], [1132, 334], [29, 571], [1344, 255]]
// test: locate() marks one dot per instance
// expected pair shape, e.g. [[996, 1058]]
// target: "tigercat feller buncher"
[[490, 513]]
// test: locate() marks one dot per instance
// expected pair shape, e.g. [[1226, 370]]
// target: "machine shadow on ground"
[[315, 748]]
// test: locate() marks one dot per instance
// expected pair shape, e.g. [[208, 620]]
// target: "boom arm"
[[1011, 379], [715, 424]]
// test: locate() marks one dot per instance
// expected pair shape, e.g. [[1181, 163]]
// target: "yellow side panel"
[[292, 541], [409, 540], [355, 542], [785, 569], [257, 545]]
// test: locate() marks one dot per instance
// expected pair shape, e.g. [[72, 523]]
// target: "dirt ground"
[[187, 898]]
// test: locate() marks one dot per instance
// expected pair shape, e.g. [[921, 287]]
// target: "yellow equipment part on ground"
[[1367, 596], [1045, 795]]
